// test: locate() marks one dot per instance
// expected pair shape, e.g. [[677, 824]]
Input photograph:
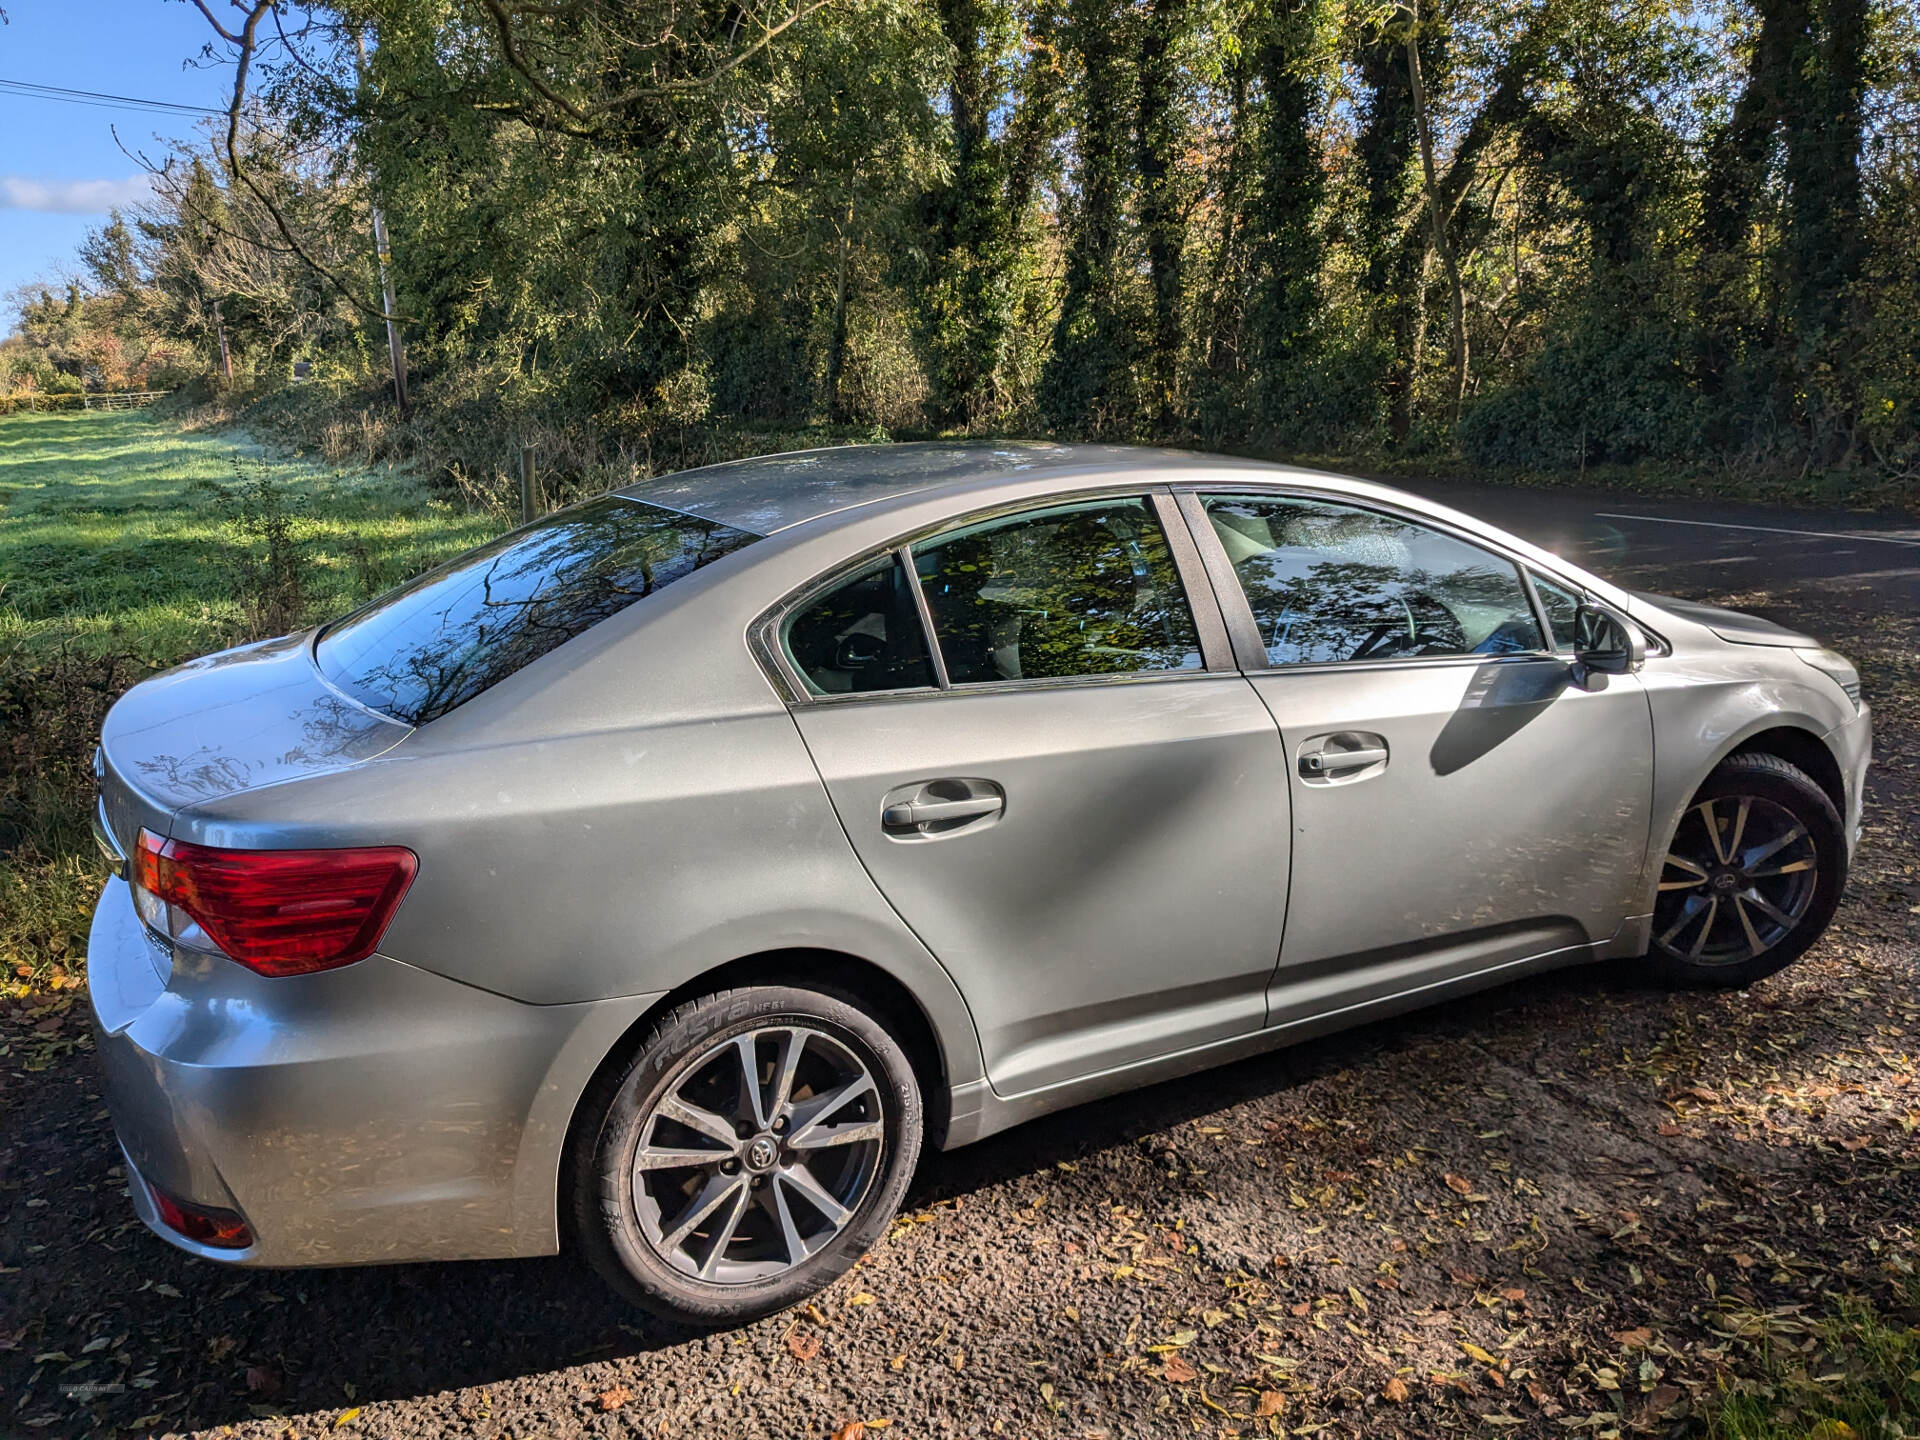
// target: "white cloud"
[[73, 197]]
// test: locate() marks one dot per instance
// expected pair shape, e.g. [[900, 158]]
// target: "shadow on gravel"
[[225, 1347], [1132, 1117]]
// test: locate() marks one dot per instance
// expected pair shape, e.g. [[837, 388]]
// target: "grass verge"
[[1850, 1374], [129, 543]]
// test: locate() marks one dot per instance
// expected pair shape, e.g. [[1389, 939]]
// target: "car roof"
[[773, 492]]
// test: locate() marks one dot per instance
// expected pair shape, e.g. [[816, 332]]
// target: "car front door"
[[1079, 807], [1460, 802]]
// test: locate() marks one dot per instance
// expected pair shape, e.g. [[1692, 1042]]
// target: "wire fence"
[[116, 400]]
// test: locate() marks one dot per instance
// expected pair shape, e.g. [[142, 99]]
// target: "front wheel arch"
[[1803, 750], [1786, 739]]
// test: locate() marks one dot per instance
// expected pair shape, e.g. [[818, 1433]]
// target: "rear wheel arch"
[[858, 981]]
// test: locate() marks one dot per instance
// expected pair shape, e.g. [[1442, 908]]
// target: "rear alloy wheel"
[[1752, 876], [747, 1154]]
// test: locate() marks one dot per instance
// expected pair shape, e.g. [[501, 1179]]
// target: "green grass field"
[[125, 547], [113, 537]]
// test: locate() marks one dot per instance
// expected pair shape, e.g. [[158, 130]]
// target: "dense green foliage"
[[1541, 233]]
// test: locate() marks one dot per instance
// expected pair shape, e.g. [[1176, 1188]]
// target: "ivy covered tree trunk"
[[1162, 130], [965, 307], [1826, 233], [1087, 387], [1285, 239], [1392, 278]]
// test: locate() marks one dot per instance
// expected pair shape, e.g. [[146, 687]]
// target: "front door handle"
[[1323, 762], [1346, 755], [931, 809]]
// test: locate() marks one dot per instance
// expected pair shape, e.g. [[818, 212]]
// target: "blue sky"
[[60, 168]]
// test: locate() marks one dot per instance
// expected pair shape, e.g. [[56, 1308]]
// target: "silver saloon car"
[[660, 878]]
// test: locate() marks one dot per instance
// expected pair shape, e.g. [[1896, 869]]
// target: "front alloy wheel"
[[745, 1154], [1752, 876]]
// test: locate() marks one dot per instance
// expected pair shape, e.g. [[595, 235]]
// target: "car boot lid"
[[245, 718]]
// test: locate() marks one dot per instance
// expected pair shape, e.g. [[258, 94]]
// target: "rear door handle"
[[925, 812], [931, 809]]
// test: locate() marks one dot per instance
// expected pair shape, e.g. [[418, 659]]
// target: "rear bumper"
[[369, 1114]]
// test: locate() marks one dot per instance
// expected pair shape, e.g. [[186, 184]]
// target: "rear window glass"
[[441, 639]]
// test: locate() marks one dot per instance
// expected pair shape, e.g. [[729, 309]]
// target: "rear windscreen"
[[441, 639]]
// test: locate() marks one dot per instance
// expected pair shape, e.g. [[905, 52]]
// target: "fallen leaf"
[[1395, 1391], [1833, 1430], [613, 1398], [1664, 1398], [803, 1344], [852, 1430], [1635, 1339], [346, 1417], [1272, 1402], [863, 1298], [1516, 1294], [1179, 1371], [1302, 1308], [1459, 1184], [1475, 1352], [1666, 1129]]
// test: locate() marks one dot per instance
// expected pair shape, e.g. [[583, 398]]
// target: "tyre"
[[1752, 877], [748, 1151]]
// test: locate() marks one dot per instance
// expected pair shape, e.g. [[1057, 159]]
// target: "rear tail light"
[[277, 912], [203, 1224]]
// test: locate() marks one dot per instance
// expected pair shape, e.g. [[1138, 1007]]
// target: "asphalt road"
[[1536, 1212], [1703, 548]]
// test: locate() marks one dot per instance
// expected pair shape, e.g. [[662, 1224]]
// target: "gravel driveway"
[[1534, 1212]]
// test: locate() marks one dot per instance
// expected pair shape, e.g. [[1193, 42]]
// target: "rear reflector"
[[277, 912], [203, 1224]]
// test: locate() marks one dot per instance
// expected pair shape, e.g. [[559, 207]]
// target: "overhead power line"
[[29, 90]]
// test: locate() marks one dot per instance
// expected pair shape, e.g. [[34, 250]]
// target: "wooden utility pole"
[[226, 355], [527, 492], [396, 346]]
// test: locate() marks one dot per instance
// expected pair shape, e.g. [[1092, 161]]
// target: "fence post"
[[526, 483]]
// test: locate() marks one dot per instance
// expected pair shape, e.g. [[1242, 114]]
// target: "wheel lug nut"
[[731, 1167], [780, 1125]]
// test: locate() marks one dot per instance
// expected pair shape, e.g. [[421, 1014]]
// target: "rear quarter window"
[[439, 640]]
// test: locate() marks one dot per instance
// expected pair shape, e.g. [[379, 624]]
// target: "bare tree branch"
[[503, 15], [246, 47]]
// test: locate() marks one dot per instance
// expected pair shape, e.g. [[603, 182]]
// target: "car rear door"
[[1460, 802], [1075, 798]]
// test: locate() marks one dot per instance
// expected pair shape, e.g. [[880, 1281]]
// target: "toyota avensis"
[[665, 874]]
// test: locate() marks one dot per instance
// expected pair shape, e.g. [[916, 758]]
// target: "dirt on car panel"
[[1542, 1211]]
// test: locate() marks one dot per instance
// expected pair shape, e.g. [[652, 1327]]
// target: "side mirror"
[[1606, 641]]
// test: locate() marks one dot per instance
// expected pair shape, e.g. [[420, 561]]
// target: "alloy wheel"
[[758, 1155], [1737, 881]]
